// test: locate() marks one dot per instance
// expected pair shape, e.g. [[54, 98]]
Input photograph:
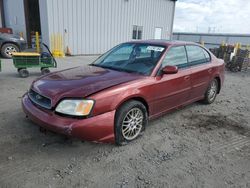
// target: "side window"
[[176, 56], [207, 56], [196, 55]]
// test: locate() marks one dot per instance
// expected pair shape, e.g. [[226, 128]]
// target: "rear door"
[[172, 90], [199, 61]]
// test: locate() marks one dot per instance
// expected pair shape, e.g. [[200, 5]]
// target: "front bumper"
[[99, 128]]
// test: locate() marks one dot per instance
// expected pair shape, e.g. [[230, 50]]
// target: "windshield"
[[131, 57]]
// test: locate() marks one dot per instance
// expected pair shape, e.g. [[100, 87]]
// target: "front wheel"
[[211, 92], [130, 122]]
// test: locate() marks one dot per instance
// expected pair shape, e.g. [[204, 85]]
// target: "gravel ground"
[[197, 146]]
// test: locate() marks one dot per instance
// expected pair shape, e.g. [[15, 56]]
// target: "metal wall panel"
[[44, 21], [14, 16], [213, 39], [243, 40], [94, 26], [189, 38]]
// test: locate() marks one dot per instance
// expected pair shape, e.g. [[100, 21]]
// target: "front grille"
[[40, 100]]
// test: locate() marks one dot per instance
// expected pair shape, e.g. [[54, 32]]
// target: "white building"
[[90, 26]]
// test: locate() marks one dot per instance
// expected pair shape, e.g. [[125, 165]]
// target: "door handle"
[[186, 77], [210, 70]]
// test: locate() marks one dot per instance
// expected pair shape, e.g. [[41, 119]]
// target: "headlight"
[[75, 107]]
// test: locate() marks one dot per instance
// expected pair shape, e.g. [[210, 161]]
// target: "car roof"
[[162, 42]]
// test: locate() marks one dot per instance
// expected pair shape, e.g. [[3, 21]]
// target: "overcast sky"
[[222, 16]]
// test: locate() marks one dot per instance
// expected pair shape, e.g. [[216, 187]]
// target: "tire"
[[8, 48], [211, 92], [45, 71], [126, 131], [23, 73]]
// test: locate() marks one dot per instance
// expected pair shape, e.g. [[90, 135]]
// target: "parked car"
[[112, 99], [10, 43]]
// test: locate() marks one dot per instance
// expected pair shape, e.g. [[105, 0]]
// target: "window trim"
[[210, 58], [197, 64]]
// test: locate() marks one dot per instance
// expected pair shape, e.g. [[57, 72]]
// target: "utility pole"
[[209, 29]]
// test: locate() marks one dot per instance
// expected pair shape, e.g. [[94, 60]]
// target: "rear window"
[[196, 55]]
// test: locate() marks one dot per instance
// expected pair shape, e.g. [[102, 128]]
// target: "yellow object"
[[237, 46], [84, 107], [223, 43], [248, 48], [37, 43], [57, 45], [25, 54], [202, 43]]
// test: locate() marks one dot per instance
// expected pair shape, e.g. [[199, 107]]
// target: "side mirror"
[[170, 70]]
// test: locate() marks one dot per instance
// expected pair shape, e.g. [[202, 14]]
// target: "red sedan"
[[112, 99]]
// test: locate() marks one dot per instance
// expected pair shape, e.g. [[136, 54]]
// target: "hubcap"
[[132, 124], [212, 91], [9, 50]]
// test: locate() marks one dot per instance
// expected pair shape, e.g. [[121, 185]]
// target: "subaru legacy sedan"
[[112, 99]]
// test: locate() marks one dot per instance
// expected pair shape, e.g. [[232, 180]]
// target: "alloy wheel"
[[9, 50], [212, 91], [132, 124]]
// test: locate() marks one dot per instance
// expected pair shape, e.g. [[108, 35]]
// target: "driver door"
[[172, 90]]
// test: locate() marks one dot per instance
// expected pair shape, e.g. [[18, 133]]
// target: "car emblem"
[[38, 97]]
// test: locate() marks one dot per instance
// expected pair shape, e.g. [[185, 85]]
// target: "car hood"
[[79, 82], [9, 36]]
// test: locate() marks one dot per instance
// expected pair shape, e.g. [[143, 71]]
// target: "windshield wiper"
[[95, 65], [106, 67], [110, 67]]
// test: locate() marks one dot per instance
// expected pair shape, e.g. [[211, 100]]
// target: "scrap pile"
[[236, 58], [223, 52], [240, 61]]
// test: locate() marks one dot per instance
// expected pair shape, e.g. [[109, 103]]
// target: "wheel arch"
[[136, 98], [10, 42], [219, 83]]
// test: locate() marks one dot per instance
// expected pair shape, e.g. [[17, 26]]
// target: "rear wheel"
[[23, 73], [7, 50], [211, 92], [130, 122]]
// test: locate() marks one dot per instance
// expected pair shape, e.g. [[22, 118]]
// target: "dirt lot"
[[197, 146]]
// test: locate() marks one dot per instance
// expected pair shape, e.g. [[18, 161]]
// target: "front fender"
[[135, 95], [112, 99]]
